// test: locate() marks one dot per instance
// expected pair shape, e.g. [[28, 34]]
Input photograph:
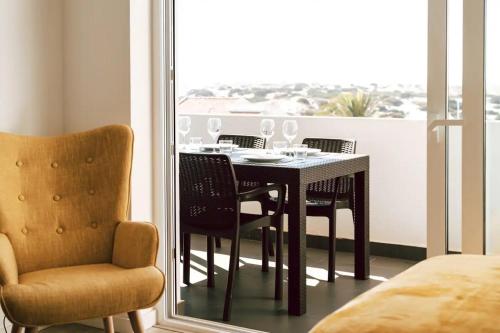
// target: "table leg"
[[361, 225], [297, 249]]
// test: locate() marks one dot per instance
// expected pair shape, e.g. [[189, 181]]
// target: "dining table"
[[297, 174]]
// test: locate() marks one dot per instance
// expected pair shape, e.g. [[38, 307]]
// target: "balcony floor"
[[253, 303]]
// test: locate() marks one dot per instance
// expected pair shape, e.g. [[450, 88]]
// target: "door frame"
[[473, 124]]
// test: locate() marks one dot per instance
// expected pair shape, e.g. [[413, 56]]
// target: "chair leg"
[[31, 330], [16, 329], [210, 262], [331, 244], [278, 288], [265, 250], [218, 242], [233, 263], [136, 322], [238, 256], [186, 258], [265, 211], [108, 325], [270, 246]]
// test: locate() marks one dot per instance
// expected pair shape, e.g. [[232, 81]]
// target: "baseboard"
[[122, 323], [347, 245]]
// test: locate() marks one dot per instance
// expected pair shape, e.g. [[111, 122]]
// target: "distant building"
[[217, 105]]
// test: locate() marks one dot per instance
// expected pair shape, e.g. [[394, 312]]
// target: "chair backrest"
[[208, 194], [62, 197], [245, 141], [325, 189]]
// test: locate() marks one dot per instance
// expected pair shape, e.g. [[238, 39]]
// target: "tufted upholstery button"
[[24, 230], [54, 165], [19, 163], [94, 225], [56, 197], [91, 191], [21, 197], [60, 230], [89, 160]]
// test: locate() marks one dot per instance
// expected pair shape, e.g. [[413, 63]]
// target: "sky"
[[313, 41]]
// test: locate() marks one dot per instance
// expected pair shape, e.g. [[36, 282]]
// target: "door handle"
[[446, 123], [433, 126]]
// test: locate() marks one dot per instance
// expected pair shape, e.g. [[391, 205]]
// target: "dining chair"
[[67, 249], [253, 142], [325, 197], [210, 203]]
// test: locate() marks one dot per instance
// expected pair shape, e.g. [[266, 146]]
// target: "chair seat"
[[69, 294]]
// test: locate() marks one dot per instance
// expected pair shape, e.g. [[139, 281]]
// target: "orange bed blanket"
[[450, 294]]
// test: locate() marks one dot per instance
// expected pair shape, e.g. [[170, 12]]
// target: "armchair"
[[67, 252]]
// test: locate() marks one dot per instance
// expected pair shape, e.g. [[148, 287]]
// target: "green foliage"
[[358, 104]]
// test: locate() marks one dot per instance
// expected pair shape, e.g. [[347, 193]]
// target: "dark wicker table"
[[297, 175]]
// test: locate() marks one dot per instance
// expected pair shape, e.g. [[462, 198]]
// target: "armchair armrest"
[[245, 196], [8, 264], [136, 245]]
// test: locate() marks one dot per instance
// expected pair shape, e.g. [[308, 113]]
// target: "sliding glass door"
[[456, 128], [492, 128]]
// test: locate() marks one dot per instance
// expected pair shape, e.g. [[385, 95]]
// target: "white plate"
[[213, 146], [263, 158], [310, 151], [313, 151]]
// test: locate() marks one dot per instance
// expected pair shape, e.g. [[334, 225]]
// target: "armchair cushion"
[[75, 293], [136, 245], [8, 265]]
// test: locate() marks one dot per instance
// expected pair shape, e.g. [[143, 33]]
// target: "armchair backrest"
[[62, 197]]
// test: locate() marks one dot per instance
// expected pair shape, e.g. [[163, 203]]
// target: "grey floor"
[[253, 303]]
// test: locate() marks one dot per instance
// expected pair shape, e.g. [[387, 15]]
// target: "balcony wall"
[[398, 184], [397, 150]]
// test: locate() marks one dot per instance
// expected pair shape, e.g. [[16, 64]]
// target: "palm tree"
[[359, 104]]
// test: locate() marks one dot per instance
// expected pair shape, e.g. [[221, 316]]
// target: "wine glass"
[[267, 128], [290, 129], [184, 126], [214, 127]]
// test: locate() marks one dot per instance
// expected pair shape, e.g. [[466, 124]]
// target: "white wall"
[[141, 94], [96, 63], [397, 150], [31, 67]]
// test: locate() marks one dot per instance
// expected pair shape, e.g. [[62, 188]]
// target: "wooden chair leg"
[[235, 244], [136, 321], [186, 258], [278, 288], [31, 330], [265, 250], [218, 242], [108, 325], [16, 329], [332, 234], [210, 262]]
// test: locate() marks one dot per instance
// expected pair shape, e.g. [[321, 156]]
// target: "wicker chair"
[[255, 142], [210, 205], [325, 197]]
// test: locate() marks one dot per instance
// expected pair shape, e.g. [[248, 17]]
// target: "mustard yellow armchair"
[[66, 250]]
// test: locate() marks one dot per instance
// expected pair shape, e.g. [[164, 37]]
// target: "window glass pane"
[[492, 190], [302, 57]]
